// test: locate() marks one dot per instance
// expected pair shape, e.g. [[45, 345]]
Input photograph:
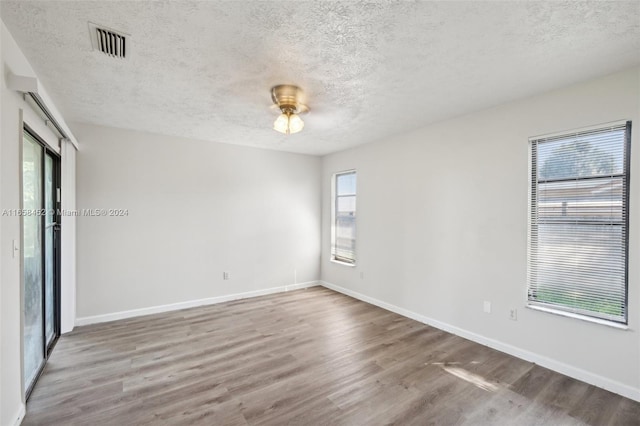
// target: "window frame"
[[625, 198], [334, 218]]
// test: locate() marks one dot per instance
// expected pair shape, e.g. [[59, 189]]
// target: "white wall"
[[68, 238], [442, 226], [11, 403], [14, 112], [196, 209], [2, 88]]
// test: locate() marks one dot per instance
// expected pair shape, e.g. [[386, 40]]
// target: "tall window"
[[578, 228], [343, 238]]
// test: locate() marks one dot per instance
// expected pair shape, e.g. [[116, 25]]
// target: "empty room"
[[320, 212]]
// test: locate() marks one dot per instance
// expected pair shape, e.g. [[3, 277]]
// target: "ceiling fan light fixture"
[[295, 123], [282, 124], [288, 99], [288, 123]]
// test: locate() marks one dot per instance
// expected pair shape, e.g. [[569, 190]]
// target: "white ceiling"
[[370, 69]]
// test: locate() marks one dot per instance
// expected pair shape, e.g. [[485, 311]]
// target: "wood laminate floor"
[[308, 357]]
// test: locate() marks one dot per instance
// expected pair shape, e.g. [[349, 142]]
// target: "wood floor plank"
[[597, 406], [305, 357]]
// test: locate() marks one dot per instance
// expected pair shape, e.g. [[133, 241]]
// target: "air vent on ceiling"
[[108, 41]]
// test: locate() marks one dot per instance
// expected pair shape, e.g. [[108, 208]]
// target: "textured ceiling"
[[369, 69]]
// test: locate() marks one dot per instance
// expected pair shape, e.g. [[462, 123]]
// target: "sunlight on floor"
[[463, 374]]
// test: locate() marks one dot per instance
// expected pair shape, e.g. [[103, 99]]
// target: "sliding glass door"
[[32, 154], [40, 168]]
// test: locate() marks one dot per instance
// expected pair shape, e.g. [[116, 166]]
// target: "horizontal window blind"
[[344, 215], [578, 229]]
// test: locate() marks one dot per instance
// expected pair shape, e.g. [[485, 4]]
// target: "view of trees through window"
[[32, 251], [578, 224], [577, 159]]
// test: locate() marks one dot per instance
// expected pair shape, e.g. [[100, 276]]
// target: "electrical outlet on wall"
[[513, 314], [487, 306], [225, 275]]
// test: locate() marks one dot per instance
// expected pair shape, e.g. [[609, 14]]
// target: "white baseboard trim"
[[189, 304], [552, 364], [17, 418]]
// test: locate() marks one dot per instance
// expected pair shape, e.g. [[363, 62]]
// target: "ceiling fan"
[[289, 100]]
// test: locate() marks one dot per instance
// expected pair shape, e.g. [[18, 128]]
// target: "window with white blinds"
[[578, 228], [343, 241]]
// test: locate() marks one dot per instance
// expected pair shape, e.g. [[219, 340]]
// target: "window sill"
[[580, 317], [342, 263]]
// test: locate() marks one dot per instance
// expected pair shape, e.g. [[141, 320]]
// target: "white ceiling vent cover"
[[108, 41]]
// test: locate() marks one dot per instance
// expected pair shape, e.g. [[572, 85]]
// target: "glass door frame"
[[56, 197]]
